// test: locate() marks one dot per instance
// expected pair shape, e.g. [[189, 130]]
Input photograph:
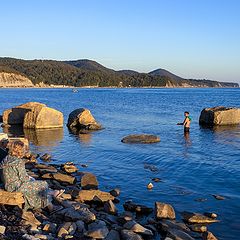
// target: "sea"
[[192, 168]]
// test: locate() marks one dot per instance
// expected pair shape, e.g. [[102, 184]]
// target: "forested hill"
[[85, 72]]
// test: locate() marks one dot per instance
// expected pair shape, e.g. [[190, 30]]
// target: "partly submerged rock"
[[163, 210], [82, 119], [220, 116], [138, 208], [16, 114], [141, 138], [197, 218], [89, 181], [33, 115]]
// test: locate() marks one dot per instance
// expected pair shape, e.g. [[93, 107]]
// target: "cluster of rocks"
[[85, 212]]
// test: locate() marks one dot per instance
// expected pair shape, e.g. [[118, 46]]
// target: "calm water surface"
[[207, 162]]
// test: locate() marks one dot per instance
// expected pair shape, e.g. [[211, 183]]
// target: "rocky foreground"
[[85, 212]]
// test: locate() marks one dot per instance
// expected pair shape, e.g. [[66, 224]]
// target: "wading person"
[[15, 178], [186, 123]]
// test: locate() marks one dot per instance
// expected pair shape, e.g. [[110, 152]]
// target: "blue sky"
[[191, 38]]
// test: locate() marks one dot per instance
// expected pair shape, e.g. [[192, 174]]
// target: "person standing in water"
[[186, 123]]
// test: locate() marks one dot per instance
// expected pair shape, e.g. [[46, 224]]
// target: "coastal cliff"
[[14, 80], [88, 73]]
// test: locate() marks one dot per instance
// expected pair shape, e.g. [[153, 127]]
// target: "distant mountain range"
[[82, 73]]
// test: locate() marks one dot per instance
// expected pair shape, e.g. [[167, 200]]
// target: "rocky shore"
[[86, 212]]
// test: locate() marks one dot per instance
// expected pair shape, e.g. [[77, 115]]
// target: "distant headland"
[[88, 73]]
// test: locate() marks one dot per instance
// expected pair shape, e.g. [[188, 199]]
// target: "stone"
[[141, 138], [93, 195], [137, 228], [179, 235], [115, 192], [69, 167], [197, 218], [113, 235], [150, 186], [43, 117], [97, 230], [83, 214], [138, 208], [110, 208], [41, 236], [130, 235], [163, 210], [15, 115], [2, 229], [80, 226], [211, 214], [29, 237], [218, 197], [60, 177], [30, 217], [220, 116], [11, 198], [46, 157], [89, 181], [208, 236], [50, 227], [198, 228], [1, 118], [156, 179], [67, 228], [165, 225], [82, 119]]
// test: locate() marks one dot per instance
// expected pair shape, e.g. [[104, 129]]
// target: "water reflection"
[[38, 137], [14, 131], [84, 137], [44, 137]]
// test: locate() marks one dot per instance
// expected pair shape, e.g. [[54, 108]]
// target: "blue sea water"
[[204, 163]]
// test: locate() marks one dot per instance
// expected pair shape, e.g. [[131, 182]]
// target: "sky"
[[191, 38]]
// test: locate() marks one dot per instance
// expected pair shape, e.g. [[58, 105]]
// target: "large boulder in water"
[[15, 115], [220, 116], [33, 115], [82, 119], [141, 138], [43, 117]]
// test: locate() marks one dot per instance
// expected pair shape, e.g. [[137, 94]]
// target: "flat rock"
[[163, 210], [141, 138], [69, 167], [64, 178], [83, 214], [220, 116], [137, 228], [130, 235], [93, 195], [97, 230], [198, 228], [89, 181], [46, 157], [197, 218]]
